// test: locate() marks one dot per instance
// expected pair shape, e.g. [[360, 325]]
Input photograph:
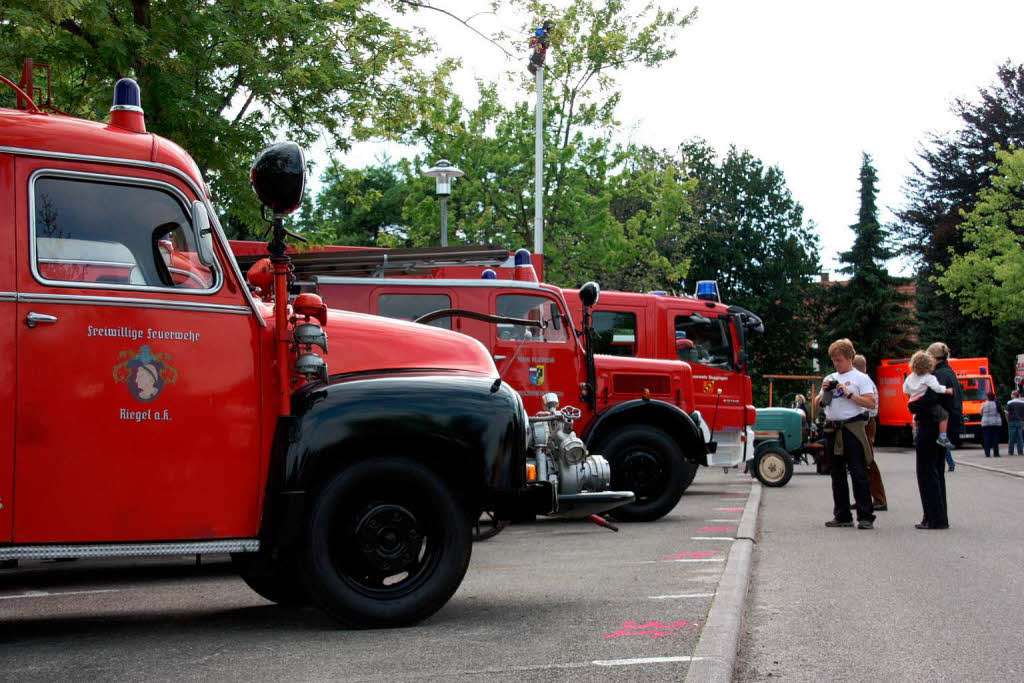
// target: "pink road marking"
[[651, 629], [699, 553], [716, 528]]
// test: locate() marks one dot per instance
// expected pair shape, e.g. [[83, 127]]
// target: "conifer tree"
[[868, 308]]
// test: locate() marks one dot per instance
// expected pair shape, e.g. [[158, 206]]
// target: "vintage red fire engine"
[[637, 413], [155, 406], [704, 332]]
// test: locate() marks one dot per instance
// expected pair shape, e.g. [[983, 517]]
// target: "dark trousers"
[[931, 474], [990, 439], [874, 475], [853, 460]]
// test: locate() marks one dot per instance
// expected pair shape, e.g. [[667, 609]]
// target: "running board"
[[48, 552]]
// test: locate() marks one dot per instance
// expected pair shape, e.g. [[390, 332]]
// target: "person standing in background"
[[1014, 423], [953, 404], [878, 499], [990, 425]]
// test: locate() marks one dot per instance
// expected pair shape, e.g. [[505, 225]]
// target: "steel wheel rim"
[[641, 472], [772, 467]]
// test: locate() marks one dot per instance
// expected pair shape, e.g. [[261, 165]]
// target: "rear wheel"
[[773, 466], [646, 461], [388, 545]]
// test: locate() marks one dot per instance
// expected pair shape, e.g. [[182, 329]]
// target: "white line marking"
[[686, 559], [681, 596], [712, 538], [642, 660], [721, 520], [47, 594]]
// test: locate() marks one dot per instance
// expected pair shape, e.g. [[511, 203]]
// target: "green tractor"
[[783, 437]]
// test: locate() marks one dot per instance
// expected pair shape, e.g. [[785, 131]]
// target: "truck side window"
[[615, 333], [110, 233], [708, 342], [412, 306], [530, 307]]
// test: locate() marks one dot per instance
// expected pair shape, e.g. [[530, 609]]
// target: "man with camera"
[[847, 395]]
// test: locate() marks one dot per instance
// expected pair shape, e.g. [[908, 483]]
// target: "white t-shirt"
[[854, 383], [874, 390], [915, 386]]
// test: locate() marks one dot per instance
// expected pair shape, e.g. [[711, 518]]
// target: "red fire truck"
[[705, 333], [638, 413], [895, 420], [189, 416]]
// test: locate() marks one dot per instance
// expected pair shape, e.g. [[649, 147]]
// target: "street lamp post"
[[443, 172], [539, 42]]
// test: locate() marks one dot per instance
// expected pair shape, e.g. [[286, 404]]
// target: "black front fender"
[[457, 424]]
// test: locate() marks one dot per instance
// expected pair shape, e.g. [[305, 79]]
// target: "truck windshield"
[[531, 307], [711, 342], [976, 388]]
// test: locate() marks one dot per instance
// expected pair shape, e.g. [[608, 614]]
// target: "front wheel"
[[387, 545], [773, 466], [646, 461]]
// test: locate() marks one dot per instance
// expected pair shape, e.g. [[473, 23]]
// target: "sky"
[[807, 86]]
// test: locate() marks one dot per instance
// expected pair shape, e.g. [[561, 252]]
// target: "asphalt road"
[[894, 603], [545, 601]]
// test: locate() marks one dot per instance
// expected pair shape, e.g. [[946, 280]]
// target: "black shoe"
[[880, 507], [865, 525], [926, 525], [838, 522]]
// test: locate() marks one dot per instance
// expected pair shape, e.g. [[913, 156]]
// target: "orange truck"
[[894, 420]]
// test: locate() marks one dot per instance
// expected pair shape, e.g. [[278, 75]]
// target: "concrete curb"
[[715, 656], [989, 469]]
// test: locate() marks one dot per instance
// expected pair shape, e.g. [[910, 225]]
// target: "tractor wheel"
[[773, 466]]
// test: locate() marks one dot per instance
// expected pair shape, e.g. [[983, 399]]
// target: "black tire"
[[387, 544], [276, 579], [689, 472], [773, 466], [646, 461]]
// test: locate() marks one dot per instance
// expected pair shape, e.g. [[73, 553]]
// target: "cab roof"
[[43, 133]]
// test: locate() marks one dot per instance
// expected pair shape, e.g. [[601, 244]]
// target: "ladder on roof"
[[380, 262]]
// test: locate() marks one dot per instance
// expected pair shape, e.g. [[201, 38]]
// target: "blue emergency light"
[[708, 290], [522, 257], [982, 370], [658, 292], [127, 95], [488, 274]]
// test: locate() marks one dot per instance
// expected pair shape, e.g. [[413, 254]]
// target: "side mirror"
[[204, 233], [590, 293], [278, 176]]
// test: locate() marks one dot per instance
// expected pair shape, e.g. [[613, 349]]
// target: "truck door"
[[137, 392], [707, 344], [8, 352], [546, 361]]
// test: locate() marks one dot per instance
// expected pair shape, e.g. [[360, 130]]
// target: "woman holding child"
[[930, 403]]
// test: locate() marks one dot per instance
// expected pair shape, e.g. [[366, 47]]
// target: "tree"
[[988, 279], [585, 171], [952, 169], [748, 233], [356, 206], [222, 79], [868, 308]]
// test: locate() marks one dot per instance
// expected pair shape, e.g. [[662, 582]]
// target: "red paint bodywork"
[[82, 459]]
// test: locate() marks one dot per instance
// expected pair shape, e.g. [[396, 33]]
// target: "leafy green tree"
[[224, 78], [988, 279], [868, 308], [748, 233], [585, 171], [356, 206], [951, 170]]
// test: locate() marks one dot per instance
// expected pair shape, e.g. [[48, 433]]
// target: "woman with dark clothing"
[[931, 457], [991, 423]]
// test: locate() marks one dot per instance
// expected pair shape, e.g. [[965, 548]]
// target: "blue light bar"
[[522, 257], [488, 274], [708, 290], [658, 292], [127, 95]]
